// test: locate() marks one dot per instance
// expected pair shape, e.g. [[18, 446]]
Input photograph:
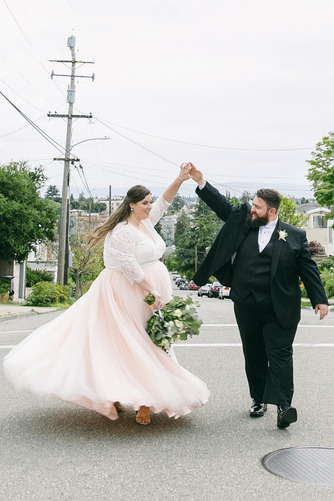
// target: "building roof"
[[310, 206]]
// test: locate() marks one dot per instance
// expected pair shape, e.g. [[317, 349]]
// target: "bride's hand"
[[159, 302], [184, 173]]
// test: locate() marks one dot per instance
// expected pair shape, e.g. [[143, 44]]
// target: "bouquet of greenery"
[[176, 321]]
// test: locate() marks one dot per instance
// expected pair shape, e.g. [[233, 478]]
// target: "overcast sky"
[[244, 89]]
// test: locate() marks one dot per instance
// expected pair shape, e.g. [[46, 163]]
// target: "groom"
[[262, 259]]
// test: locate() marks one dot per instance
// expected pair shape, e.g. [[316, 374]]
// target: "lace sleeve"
[[120, 243], [159, 207]]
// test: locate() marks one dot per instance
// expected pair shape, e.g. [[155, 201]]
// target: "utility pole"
[[62, 274], [195, 258]]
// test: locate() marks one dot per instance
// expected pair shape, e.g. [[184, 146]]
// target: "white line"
[[223, 345], [203, 325], [238, 345], [219, 325], [318, 326], [14, 332]]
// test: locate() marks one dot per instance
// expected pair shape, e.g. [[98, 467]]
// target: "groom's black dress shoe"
[[257, 409], [286, 416]]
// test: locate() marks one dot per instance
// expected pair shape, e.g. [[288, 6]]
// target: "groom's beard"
[[257, 221]]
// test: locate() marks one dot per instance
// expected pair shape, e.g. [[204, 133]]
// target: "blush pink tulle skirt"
[[97, 353]]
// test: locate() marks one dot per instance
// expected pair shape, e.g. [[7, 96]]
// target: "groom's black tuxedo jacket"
[[291, 258]]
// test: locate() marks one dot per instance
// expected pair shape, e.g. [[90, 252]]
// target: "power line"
[[136, 143], [83, 179], [17, 24], [54, 143], [200, 144]]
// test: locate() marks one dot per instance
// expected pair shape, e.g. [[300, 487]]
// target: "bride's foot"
[[119, 407], [143, 415]]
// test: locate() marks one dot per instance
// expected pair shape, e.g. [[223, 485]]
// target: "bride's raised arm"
[[173, 188]]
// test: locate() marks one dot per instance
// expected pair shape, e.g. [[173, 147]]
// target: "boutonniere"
[[282, 234]]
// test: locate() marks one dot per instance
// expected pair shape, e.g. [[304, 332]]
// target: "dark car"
[[181, 282], [183, 286], [192, 286], [214, 292]]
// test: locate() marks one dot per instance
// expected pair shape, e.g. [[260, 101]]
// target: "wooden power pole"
[[62, 273]]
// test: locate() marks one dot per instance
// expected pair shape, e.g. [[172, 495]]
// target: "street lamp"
[[63, 247], [105, 138]]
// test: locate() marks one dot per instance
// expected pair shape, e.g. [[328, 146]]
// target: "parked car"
[[192, 286], [181, 282], [177, 280], [204, 290], [214, 292], [183, 286], [224, 292], [175, 277]]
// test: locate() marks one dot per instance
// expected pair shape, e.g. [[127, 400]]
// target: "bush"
[[326, 264], [48, 294], [35, 276], [329, 287], [4, 286], [327, 278]]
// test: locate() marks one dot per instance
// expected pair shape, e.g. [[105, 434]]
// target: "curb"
[[23, 315]]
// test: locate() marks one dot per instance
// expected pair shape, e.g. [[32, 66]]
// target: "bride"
[[97, 354]]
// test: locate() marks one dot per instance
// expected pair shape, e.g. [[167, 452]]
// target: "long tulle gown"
[[97, 352]]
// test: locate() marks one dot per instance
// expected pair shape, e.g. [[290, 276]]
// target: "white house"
[[317, 227]]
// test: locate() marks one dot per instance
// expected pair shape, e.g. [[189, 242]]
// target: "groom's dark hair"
[[271, 197]]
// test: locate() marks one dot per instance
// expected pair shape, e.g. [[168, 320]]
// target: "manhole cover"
[[308, 465]]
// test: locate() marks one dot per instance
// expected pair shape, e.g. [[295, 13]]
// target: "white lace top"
[[129, 249]]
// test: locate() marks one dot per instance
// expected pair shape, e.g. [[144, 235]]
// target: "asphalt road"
[[54, 451]]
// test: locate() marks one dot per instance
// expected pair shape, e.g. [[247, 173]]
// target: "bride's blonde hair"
[[134, 195]]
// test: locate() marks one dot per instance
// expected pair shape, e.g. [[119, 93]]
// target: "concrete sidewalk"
[[12, 310]]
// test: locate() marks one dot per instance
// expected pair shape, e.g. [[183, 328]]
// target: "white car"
[[204, 290], [224, 292]]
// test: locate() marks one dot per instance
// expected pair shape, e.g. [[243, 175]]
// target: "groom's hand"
[[322, 308], [196, 174]]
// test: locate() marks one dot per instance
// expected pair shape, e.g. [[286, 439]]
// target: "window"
[[319, 222]]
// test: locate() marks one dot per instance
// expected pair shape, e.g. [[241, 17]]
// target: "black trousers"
[[268, 351]]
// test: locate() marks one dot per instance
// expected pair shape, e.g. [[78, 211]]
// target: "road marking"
[[14, 332], [238, 345], [221, 345], [318, 326]]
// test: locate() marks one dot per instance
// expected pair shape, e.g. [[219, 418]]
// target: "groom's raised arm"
[[210, 195]]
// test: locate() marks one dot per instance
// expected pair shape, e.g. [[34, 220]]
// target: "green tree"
[[176, 204], [183, 240], [87, 263], [194, 234], [233, 200], [99, 207], [287, 212], [304, 200], [25, 218], [206, 228], [321, 172], [74, 203], [53, 193]]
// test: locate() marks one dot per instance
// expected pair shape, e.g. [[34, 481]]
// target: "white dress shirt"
[[265, 233]]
